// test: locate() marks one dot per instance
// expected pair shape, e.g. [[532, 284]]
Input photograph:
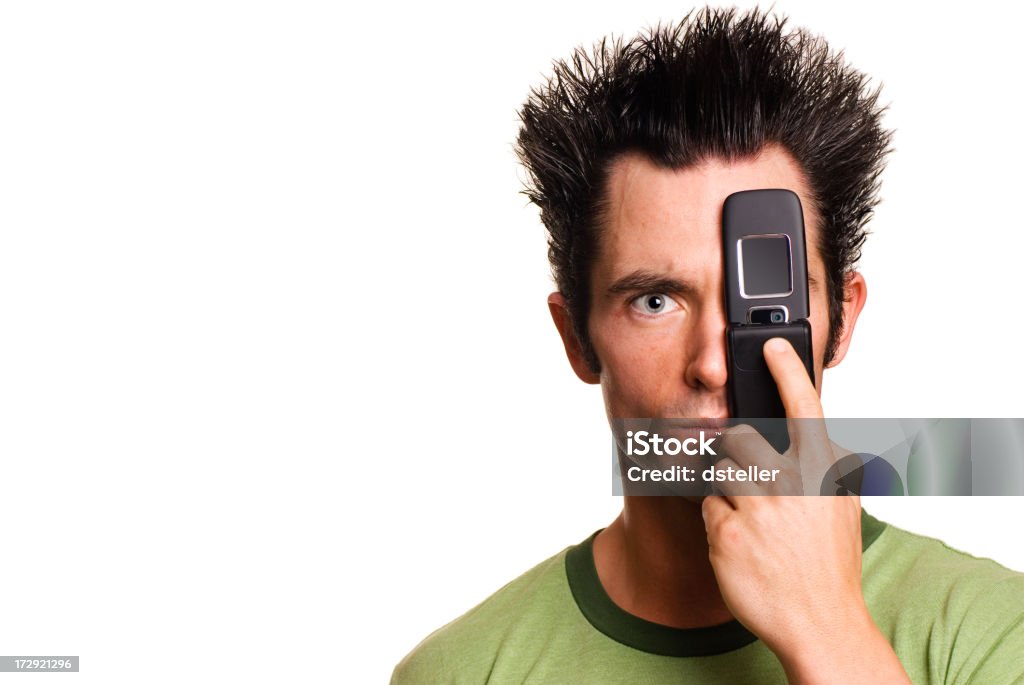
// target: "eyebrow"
[[649, 281]]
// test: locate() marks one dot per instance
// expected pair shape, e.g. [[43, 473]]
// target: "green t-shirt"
[[950, 617]]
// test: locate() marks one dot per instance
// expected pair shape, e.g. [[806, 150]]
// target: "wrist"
[[836, 650]]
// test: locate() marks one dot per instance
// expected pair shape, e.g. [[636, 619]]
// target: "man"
[[632, 150]]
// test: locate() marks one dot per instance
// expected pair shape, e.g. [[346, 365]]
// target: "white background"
[[260, 261]]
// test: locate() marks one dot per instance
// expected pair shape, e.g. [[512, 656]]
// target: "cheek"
[[637, 367]]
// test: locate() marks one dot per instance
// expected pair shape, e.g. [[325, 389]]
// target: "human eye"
[[653, 304]]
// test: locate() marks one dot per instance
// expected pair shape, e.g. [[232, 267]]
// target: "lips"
[[705, 423], [683, 429]]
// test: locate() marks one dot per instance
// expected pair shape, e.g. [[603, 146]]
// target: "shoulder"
[[924, 565], [468, 645], [963, 614]]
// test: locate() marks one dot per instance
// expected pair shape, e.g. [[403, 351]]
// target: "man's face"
[[657, 316]]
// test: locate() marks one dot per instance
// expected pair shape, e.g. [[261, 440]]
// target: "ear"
[[855, 294], [573, 349]]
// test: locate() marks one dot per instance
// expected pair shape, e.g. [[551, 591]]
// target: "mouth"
[[696, 428], [704, 422]]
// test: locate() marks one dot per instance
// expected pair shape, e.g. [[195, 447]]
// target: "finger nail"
[[776, 345]]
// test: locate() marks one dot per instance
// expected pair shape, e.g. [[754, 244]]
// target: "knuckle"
[[729, 532], [807, 409]]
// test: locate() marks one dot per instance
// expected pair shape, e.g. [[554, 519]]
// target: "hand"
[[789, 568]]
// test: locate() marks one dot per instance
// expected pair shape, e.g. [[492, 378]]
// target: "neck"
[[653, 563]]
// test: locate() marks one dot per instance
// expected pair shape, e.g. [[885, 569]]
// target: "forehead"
[[670, 219]]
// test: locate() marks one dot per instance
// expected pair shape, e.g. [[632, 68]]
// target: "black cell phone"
[[765, 295]]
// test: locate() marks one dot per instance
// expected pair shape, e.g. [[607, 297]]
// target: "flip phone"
[[765, 294]]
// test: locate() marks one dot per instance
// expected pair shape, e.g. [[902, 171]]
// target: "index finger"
[[804, 416], [799, 396]]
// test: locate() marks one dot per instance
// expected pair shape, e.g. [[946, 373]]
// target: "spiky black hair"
[[717, 84]]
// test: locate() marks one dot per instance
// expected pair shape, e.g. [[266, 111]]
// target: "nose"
[[707, 368]]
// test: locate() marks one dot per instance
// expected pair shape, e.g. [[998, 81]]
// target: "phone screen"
[[766, 266]]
